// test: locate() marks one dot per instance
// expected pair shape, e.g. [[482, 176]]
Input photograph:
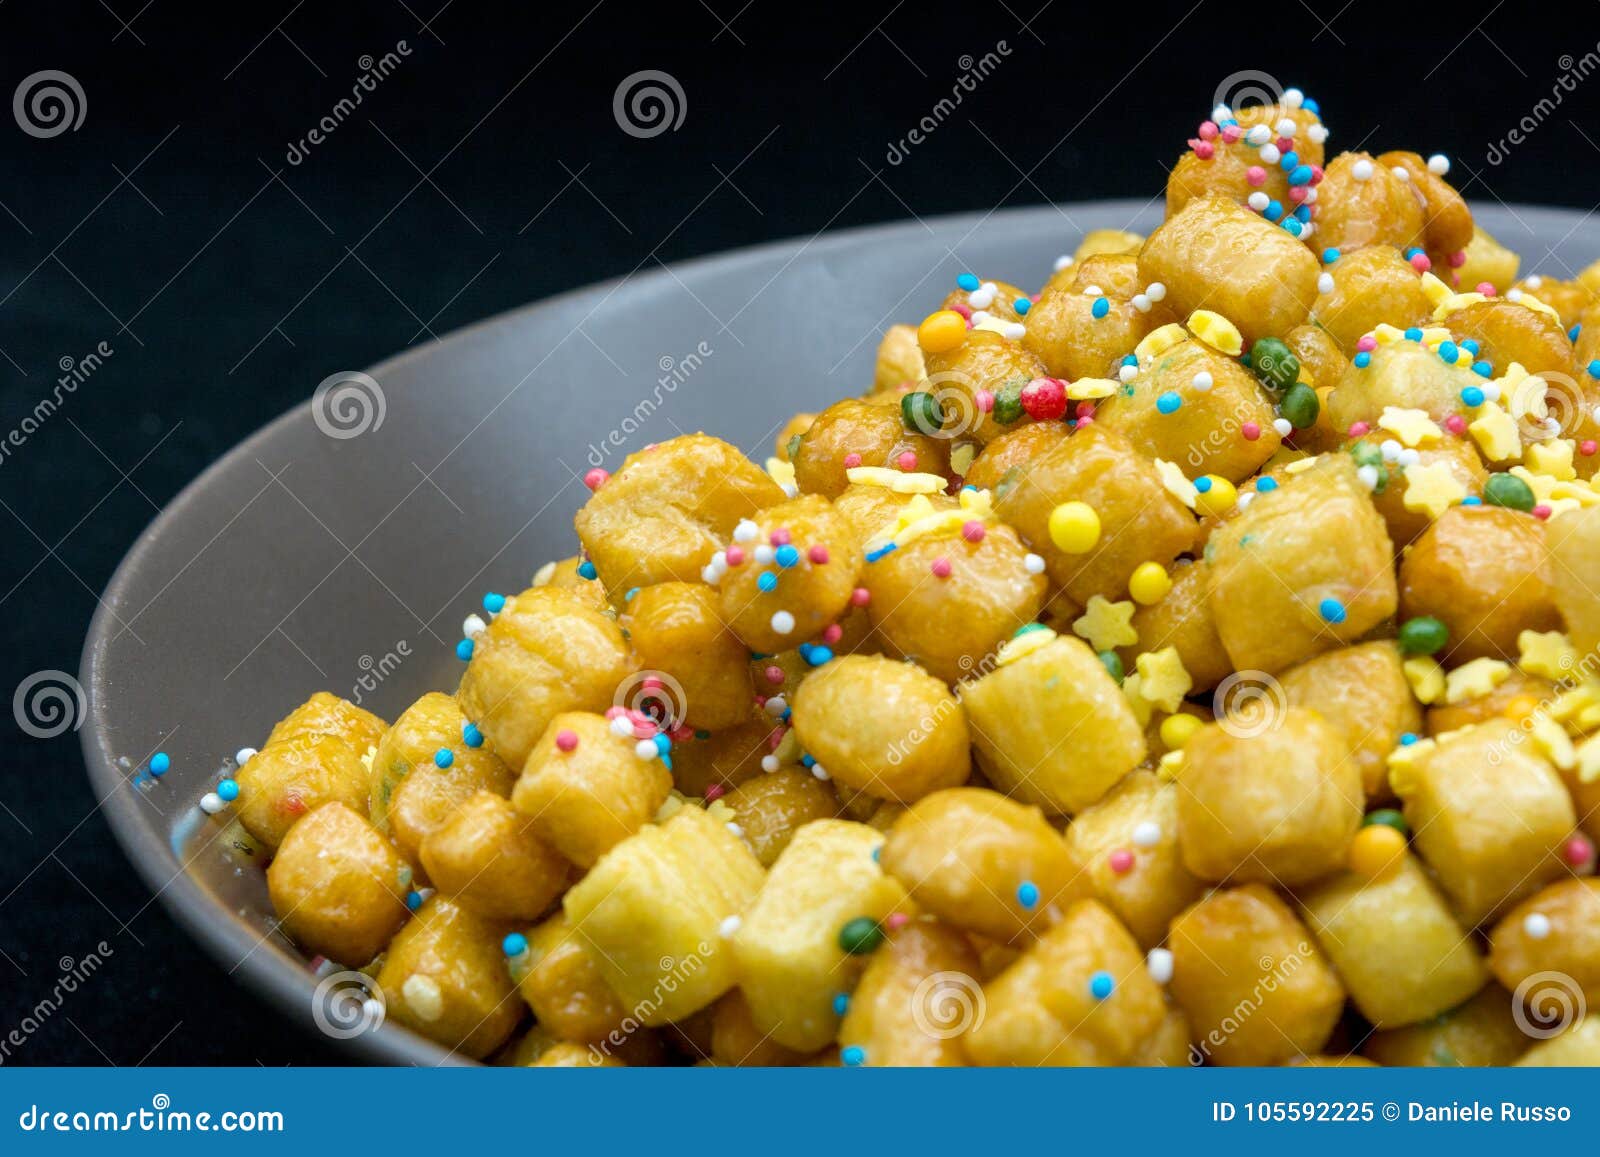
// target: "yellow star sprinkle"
[[1426, 678], [1553, 459], [1386, 334], [897, 480], [1435, 289], [1159, 341], [1022, 645], [1170, 765], [1495, 432], [1177, 483], [1551, 741], [1475, 679], [1546, 653], [1529, 301], [1107, 625], [1162, 679], [1588, 760], [1569, 705], [782, 473], [1088, 389], [961, 458], [1217, 332], [1432, 488], [1300, 466], [1413, 427], [1141, 707], [1402, 765]]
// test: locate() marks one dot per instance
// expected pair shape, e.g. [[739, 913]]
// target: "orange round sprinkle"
[[1376, 851], [942, 331], [1520, 707]]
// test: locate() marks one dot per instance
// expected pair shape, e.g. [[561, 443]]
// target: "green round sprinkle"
[[1008, 402], [1113, 664], [1508, 490], [1274, 363], [921, 411], [1423, 635], [1300, 406], [1366, 454], [1389, 818], [1028, 629], [792, 448], [860, 936]]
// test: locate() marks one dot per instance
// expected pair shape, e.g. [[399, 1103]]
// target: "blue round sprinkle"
[[1362, 360], [1407, 739], [515, 944], [1448, 352], [666, 761], [841, 1004], [1311, 106], [807, 760], [228, 790], [786, 555], [852, 1055], [663, 742], [1472, 397], [1300, 174], [1101, 307], [1293, 226], [968, 281], [1332, 610], [1469, 345], [494, 603], [767, 580], [1028, 894], [1130, 359], [1303, 214], [413, 900], [444, 757], [1290, 161], [1329, 256], [628, 595], [464, 650], [1412, 252], [1273, 211], [1594, 368], [586, 569], [1472, 500], [818, 655], [1101, 985], [1414, 334], [1266, 484], [470, 735], [159, 763], [1483, 369], [1203, 483], [1572, 334], [1022, 305], [1169, 402]]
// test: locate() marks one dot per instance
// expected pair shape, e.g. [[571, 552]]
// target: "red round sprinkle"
[[1587, 447], [896, 921], [941, 568], [1044, 399], [972, 531], [906, 461], [984, 400], [832, 634], [1542, 512], [567, 740], [1578, 851], [714, 791], [1205, 150], [1232, 133], [1455, 423], [1486, 288], [860, 597], [1121, 861], [852, 460], [1285, 144], [1458, 259], [1421, 262], [1084, 410], [780, 537], [1256, 175], [1208, 130], [1359, 429], [818, 554], [1316, 174], [774, 674], [735, 555], [595, 478], [1250, 431], [963, 309]]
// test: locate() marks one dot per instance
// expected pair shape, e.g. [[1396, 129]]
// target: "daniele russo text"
[[1482, 1111]]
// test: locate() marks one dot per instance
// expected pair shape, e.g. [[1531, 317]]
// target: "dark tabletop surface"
[[219, 263]]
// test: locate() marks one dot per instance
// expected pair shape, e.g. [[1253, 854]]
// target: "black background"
[[486, 171]]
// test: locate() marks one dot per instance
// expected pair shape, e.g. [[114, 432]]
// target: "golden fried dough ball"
[[338, 886], [1508, 331], [1011, 450], [899, 359], [724, 758], [772, 807], [1556, 930], [858, 433], [1404, 374], [1447, 222], [1072, 339], [677, 630], [1480, 1032], [917, 994], [547, 651], [668, 509], [1574, 544], [1182, 619], [1371, 285], [487, 858], [805, 585], [1361, 202], [883, 727], [559, 979], [1487, 261], [1458, 455], [979, 383], [1322, 362], [1363, 690]]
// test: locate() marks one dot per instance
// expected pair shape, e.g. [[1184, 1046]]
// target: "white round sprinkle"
[[1307, 230], [372, 1010], [1317, 134], [1390, 449], [1155, 291], [983, 297], [1368, 476], [777, 705], [621, 727], [1159, 965], [763, 554], [646, 749], [1093, 291], [1311, 198], [1288, 126], [244, 755], [1246, 498], [1146, 834], [1259, 201], [1014, 331], [979, 316], [783, 622], [1222, 113], [1361, 170], [729, 927], [1292, 98], [1536, 926], [1062, 262], [1325, 283], [734, 829], [819, 772], [1283, 426], [1491, 393], [1202, 382], [710, 575], [1126, 374], [1142, 302], [1400, 174], [745, 531], [473, 625], [211, 803], [1033, 564], [1438, 164], [1258, 135], [1409, 457], [1270, 155], [769, 763], [1533, 281]]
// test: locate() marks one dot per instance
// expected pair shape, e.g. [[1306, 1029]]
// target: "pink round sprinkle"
[[1297, 193], [1085, 410], [775, 738], [1578, 851], [1458, 259], [1367, 344], [852, 460], [896, 921], [860, 597], [941, 568], [1359, 429], [1205, 150], [1232, 133], [714, 791], [1208, 130], [1285, 144], [1455, 423], [735, 555], [1121, 861], [1316, 174], [1541, 512], [818, 554], [780, 537], [972, 531], [1256, 175], [1085, 420], [832, 633], [907, 461], [1486, 288], [615, 710], [774, 674], [1587, 447], [566, 740], [1421, 262], [1250, 431], [595, 478], [984, 400], [963, 309]]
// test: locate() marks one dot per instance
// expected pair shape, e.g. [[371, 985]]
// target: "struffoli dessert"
[[1194, 661]]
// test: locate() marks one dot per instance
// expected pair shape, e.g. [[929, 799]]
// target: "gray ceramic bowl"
[[309, 558]]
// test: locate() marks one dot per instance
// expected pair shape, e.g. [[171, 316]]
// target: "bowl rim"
[[192, 907]]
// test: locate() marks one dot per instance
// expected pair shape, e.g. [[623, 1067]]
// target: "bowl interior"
[[340, 547]]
